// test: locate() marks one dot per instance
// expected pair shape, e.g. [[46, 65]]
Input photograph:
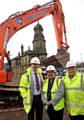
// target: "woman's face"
[[51, 74]]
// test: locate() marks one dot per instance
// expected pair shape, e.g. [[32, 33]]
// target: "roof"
[[38, 27], [52, 60]]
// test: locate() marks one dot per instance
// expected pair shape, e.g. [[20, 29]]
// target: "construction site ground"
[[19, 114]]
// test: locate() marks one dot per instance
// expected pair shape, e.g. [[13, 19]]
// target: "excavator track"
[[9, 95]]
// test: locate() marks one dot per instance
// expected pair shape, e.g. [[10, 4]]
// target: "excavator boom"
[[19, 20]]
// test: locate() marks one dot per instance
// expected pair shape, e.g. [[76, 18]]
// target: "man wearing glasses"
[[30, 89]]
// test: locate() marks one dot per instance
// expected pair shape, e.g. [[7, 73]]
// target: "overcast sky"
[[74, 18]]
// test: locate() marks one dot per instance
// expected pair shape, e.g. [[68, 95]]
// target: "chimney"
[[22, 49]]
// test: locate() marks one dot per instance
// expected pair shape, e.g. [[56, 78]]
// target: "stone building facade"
[[80, 67], [21, 62]]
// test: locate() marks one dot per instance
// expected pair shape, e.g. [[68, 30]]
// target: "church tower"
[[39, 43]]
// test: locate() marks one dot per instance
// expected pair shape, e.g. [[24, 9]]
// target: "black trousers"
[[54, 115], [37, 107], [78, 117]]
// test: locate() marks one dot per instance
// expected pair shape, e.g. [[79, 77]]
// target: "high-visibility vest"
[[26, 88], [54, 90], [74, 94]]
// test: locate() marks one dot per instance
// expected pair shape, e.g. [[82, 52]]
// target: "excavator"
[[15, 22]]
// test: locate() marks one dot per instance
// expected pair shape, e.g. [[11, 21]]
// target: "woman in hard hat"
[[30, 89], [52, 94]]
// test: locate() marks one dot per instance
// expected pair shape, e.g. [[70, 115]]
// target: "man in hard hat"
[[74, 92], [30, 89], [52, 94]]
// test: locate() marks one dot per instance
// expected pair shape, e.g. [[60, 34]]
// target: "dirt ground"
[[19, 114]]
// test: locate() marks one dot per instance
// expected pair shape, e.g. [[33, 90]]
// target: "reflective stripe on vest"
[[76, 106], [27, 88]]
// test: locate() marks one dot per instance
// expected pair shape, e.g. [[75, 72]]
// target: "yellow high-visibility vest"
[[74, 94], [54, 90], [26, 88]]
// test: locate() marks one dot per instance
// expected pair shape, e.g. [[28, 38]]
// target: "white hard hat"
[[70, 64], [35, 60], [51, 68]]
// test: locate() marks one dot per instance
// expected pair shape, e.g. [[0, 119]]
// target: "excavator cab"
[[6, 74]]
